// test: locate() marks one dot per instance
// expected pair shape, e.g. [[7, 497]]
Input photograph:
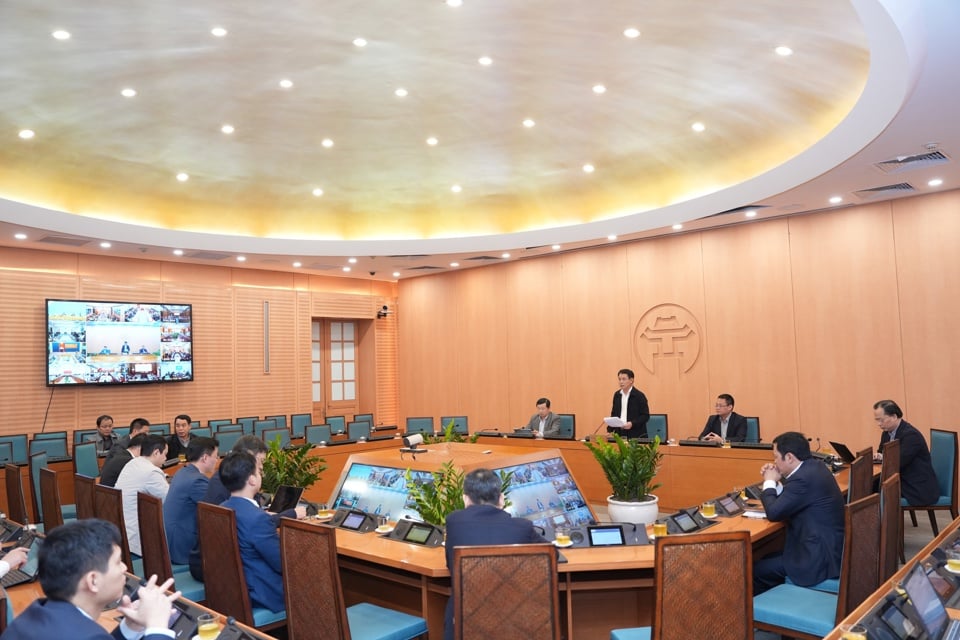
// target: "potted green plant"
[[293, 467], [437, 499], [449, 435], [630, 467]]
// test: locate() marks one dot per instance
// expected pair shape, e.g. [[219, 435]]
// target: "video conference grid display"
[[543, 492], [118, 342]]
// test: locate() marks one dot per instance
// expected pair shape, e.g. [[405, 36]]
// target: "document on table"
[[616, 423], [754, 513]]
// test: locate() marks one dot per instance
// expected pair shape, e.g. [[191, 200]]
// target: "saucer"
[[708, 517], [953, 571], [563, 546], [323, 515], [385, 529]]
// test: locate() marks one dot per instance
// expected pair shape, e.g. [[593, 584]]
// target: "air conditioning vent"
[[410, 257], [208, 255], [909, 163], [65, 241], [317, 266], [484, 258], [424, 268], [888, 191]]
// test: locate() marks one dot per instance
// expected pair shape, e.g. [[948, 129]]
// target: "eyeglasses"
[[720, 406]]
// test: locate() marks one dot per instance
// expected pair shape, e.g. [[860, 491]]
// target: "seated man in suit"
[[106, 439], [119, 458], [483, 521], [256, 531], [725, 425], [177, 442], [918, 480], [799, 490], [81, 573], [544, 422], [187, 488]]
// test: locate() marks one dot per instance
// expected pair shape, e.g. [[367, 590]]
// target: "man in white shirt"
[[544, 422], [143, 473]]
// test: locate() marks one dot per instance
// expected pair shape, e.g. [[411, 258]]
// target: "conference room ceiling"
[[413, 135]]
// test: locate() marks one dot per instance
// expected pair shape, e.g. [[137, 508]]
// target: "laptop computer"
[[845, 454], [931, 613], [28, 572], [286, 497]]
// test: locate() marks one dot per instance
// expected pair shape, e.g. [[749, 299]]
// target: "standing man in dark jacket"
[[630, 405], [918, 481]]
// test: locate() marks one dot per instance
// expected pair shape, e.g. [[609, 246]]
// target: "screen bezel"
[[682, 517], [592, 532], [418, 529], [351, 521]]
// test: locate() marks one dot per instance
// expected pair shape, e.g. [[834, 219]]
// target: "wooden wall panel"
[[260, 392], [751, 346], [847, 321], [928, 270], [385, 411]]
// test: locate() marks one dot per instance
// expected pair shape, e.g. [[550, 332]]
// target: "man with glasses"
[[725, 424], [918, 481]]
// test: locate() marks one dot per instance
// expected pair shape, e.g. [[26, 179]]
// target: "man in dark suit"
[[634, 411], [544, 422], [177, 441], [918, 481], [256, 531], [81, 573], [483, 521], [187, 488], [799, 490], [725, 424], [119, 458]]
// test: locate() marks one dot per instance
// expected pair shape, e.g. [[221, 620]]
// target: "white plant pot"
[[636, 512]]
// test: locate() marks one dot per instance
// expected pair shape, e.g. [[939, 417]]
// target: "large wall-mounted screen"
[[106, 343]]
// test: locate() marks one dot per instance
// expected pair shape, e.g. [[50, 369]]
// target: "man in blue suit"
[[256, 531], [483, 521], [81, 572], [799, 490], [187, 488]]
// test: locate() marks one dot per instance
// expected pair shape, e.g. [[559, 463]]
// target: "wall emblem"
[[667, 332]]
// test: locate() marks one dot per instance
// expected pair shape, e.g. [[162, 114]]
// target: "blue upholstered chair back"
[[568, 425], [420, 425], [338, 424], [358, 429], [227, 439], [657, 426], [459, 424], [280, 420], [943, 456], [317, 433], [85, 459], [753, 429], [299, 423]]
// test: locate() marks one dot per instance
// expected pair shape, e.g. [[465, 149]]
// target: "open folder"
[[616, 423]]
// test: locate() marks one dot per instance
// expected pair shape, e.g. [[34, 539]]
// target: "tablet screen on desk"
[[418, 533], [606, 536], [353, 521], [685, 522]]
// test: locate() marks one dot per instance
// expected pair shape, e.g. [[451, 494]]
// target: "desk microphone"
[[587, 439]]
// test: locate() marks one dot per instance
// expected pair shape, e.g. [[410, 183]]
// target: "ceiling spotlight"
[[327, 143], [297, 265], [836, 200], [936, 182], [432, 141], [752, 213], [677, 227], [555, 247], [60, 34], [599, 89], [183, 177], [128, 92], [360, 42], [504, 255], [485, 60], [456, 188], [105, 245], [241, 258], [699, 127], [286, 84], [346, 269], [784, 51], [218, 32], [20, 236], [454, 264], [396, 274], [631, 32], [227, 128], [529, 123], [317, 192], [178, 252], [401, 92], [588, 168], [454, 3], [612, 237], [352, 260], [26, 134]]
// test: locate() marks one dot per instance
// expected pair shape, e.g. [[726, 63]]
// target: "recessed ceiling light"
[[178, 252], [352, 260], [784, 51], [504, 255], [360, 42], [599, 88], [631, 32], [219, 32], [183, 177], [60, 34], [612, 237], [485, 60], [26, 134], [456, 188], [677, 227], [396, 274], [936, 182], [401, 93], [454, 264], [836, 200], [454, 3], [297, 265], [128, 92], [20, 236], [555, 247], [317, 192], [529, 123], [105, 245], [699, 127], [286, 83], [346, 269], [588, 168], [227, 128], [241, 258], [432, 141], [752, 213], [327, 143]]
